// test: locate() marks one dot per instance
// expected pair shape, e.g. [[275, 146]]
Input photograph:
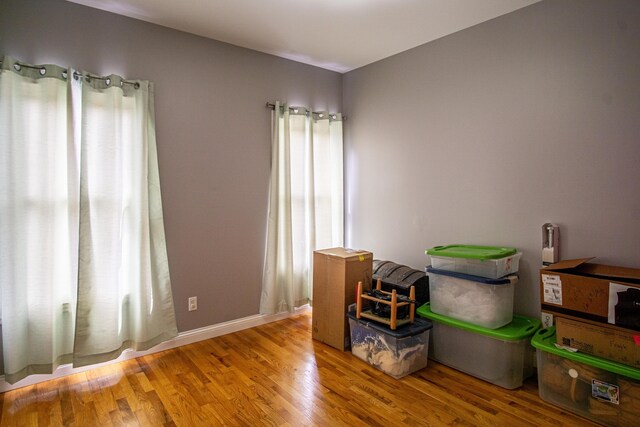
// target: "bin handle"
[[545, 332], [435, 247]]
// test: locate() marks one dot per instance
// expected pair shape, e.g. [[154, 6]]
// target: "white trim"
[[183, 338]]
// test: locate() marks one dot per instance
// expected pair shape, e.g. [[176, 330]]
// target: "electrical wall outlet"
[[547, 319], [193, 303]]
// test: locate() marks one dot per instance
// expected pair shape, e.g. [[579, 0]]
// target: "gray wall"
[[482, 136], [479, 137], [213, 134]]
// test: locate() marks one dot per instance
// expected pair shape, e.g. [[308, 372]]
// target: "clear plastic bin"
[[492, 269], [601, 390], [478, 300], [501, 356], [396, 353], [484, 261]]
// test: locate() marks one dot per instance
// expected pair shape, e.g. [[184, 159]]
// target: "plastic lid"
[[481, 253], [418, 326], [513, 278], [545, 339], [521, 327]]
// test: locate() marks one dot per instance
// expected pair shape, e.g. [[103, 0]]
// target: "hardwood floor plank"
[[273, 375], [157, 413]]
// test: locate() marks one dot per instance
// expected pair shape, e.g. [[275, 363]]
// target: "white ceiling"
[[338, 35]]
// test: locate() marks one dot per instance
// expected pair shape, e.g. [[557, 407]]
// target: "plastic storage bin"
[[501, 356], [478, 300], [485, 261], [396, 353], [601, 390]]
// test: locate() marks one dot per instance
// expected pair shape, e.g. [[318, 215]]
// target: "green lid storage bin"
[[491, 262], [604, 391], [502, 356]]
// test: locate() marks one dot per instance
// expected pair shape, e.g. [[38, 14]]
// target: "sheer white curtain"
[[305, 203], [38, 220], [83, 263], [124, 291]]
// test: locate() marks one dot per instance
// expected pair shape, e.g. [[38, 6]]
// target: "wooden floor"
[[273, 374]]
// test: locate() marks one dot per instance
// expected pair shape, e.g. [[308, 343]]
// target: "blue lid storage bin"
[[397, 352], [478, 300]]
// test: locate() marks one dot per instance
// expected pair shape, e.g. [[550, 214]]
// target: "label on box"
[[552, 288], [605, 391]]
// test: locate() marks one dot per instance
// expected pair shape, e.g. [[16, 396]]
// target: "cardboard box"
[[601, 293], [606, 341], [336, 273]]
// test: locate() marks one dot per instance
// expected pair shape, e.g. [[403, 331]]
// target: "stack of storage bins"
[[474, 329], [602, 390], [589, 362]]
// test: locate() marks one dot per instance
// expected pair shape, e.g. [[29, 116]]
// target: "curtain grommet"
[[17, 67]]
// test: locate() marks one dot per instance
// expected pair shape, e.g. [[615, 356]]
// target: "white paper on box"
[[552, 289]]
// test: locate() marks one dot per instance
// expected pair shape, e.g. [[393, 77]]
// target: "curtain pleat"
[[305, 204], [84, 271]]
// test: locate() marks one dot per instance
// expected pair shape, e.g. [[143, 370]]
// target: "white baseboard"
[[183, 338]]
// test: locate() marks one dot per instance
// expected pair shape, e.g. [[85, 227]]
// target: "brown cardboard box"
[[601, 293], [606, 341], [336, 273]]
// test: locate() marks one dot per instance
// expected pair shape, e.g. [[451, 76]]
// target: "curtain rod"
[[272, 106], [76, 74]]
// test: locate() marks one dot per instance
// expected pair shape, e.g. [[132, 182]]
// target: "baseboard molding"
[[183, 338]]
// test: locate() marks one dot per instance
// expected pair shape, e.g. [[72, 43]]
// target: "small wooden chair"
[[393, 320]]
